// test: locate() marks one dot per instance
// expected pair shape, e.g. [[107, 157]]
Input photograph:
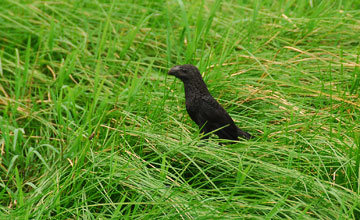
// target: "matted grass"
[[93, 128]]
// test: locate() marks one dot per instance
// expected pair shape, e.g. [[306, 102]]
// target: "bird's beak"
[[174, 70]]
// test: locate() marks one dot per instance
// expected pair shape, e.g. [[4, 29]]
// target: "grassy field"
[[93, 128]]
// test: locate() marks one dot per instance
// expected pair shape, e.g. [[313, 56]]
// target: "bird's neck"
[[195, 87]]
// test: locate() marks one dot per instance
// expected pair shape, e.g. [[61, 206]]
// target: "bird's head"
[[185, 72]]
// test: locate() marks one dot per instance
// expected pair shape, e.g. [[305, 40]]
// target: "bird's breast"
[[193, 105]]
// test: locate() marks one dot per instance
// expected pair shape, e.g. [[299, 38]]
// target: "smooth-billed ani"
[[203, 109]]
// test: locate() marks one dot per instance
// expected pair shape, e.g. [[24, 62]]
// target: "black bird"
[[203, 109]]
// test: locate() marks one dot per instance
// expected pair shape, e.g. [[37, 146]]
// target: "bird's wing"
[[213, 111], [215, 117]]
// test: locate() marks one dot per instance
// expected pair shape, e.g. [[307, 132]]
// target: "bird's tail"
[[244, 134]]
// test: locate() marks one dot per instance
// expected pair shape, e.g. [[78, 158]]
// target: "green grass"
[[93, 128]]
